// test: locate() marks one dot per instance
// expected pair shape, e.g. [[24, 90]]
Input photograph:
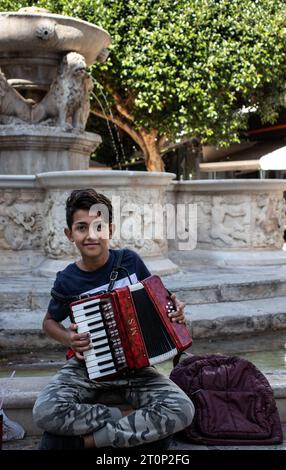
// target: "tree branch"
[[125, 127], [163, 140], [119, 103]]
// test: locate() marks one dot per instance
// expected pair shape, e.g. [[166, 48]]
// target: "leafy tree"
[[185, 67]]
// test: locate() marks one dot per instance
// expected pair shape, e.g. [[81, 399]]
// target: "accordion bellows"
[[129, 328]]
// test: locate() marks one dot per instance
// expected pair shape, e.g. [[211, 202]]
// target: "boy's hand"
[[179, 314], [79, 342]]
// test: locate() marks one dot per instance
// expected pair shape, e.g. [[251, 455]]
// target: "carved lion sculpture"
[[67, 101], [11, 102]]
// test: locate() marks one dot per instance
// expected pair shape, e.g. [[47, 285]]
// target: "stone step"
[[21, 393], [25, 293], [214, 285], [226, 319], [193, 287], [22, 330]]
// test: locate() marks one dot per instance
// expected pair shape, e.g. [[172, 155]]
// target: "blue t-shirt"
[[74, 281]]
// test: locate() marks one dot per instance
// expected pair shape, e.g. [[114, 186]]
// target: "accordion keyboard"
[[106, 355]]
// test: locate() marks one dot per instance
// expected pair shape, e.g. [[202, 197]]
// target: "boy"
[[68, 405]]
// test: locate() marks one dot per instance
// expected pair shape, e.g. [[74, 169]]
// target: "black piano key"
[[94, 330], [102, 363], [100, 346], [106, 369], [102, 353], [92, 323]]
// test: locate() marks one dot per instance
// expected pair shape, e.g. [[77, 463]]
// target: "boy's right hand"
[[79, 342]]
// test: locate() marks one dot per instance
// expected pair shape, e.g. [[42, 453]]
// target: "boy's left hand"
[[179, 314]]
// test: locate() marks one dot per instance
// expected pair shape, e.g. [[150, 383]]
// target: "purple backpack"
[[234, 402]]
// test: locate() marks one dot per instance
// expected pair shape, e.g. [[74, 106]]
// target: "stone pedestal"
[[30, 149]]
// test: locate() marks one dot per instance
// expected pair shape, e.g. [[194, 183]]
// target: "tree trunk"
[[147, 141], [153, 160]]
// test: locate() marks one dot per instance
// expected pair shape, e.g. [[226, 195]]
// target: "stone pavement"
[[176, 444]]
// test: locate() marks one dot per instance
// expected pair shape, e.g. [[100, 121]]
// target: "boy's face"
[[89, 233]]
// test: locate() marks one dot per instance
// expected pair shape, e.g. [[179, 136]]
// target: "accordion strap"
[[64, 299], [67, 299], [116, 268]]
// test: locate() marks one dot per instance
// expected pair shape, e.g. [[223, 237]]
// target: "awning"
[[274, 160]]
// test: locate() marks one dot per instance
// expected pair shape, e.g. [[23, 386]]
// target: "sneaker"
[[11, 429], [55, 442]]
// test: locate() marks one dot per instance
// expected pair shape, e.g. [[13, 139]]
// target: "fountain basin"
[[32, 45]]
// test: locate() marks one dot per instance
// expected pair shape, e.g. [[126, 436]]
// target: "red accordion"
[[129, 328]]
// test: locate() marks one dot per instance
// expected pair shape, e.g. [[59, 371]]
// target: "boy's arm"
[[56, 330], [66, 336]]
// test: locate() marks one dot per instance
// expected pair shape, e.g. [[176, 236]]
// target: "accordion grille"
[[157, 340]]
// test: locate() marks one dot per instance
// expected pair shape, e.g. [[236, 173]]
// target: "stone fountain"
[[44, 148], [45, 151], [45, 89]]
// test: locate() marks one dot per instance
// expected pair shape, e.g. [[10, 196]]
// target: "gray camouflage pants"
[[69, 405]]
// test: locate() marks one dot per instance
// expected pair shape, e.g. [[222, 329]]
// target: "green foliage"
[[188, 66]]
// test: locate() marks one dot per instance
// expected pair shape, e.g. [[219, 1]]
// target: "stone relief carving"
[[20, 222], [255, 220], [230, 222], [12, 103], [269, 221], [68, 98], [66, 104], [56, 243]]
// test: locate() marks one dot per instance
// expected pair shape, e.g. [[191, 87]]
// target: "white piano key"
[[96, 375], [99, 342], [100, 367], [99, 335], [87, 312], [97, 368], [86, 327], [87, 320], [88, 353], [105, 357], [95, 363], [94, 335], [99, 353], [96, 328], [85, 304]]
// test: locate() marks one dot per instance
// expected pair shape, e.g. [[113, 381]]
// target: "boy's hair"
[[85, 199]]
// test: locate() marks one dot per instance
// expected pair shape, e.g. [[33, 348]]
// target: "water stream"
[[106, 109]]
